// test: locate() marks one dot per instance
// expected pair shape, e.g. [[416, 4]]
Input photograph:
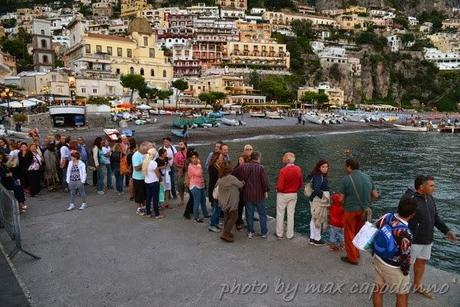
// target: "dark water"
[[392, 159]]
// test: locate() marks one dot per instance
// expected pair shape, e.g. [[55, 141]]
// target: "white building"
[[412, 21], [394, 42], [443, 60], [87, 87], [257, 11]]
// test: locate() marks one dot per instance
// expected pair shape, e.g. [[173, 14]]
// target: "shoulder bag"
[[366, 214]]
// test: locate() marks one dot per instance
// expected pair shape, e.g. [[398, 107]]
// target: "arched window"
[[43, 41], [45, 59], [152, 72], [142, 71], [164, 73], [131, 70]]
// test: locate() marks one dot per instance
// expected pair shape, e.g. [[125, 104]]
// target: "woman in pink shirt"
[[195, 181]]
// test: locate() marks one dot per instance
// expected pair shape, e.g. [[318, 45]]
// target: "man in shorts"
[[422, 227]]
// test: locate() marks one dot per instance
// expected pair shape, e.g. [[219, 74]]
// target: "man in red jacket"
[[290, 180]]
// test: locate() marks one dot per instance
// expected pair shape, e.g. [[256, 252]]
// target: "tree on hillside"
[[303, 28], [133, 82], [315, 98], [212, 98], [277, 88], [180, 84], [17, 46]]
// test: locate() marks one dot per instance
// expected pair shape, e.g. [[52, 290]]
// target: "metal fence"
[[9, 218]]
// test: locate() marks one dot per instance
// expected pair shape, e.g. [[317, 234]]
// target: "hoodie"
[[425, 219]]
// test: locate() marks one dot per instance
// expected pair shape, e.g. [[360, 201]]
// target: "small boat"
[[256, 114], [314, 119], [273, 115], [410, 128], [179, 133], [230, 122]]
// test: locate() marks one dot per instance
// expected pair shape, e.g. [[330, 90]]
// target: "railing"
[[9, 218]]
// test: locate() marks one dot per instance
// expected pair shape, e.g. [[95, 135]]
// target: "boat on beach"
[[273, 115], [179, 133], [257, 114], [410, 128], [315, 119], [229, 122]]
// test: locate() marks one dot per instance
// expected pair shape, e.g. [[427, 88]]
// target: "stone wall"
[[40, 121]]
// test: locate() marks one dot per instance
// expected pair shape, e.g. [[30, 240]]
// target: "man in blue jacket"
[[422, 227]]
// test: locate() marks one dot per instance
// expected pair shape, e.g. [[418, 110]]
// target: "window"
[[152, 52], [43, 41], [98, 48], [131, 70], [83, 90], [152, 72], [87, 48], [117, 71], [119, 52], [45, 59], [129, 53], [109, 50], [146, 41], [164, 73], [42, 32], [142, 71], [94, 90]]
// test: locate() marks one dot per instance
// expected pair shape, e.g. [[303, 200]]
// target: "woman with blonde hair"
[[152, 184]]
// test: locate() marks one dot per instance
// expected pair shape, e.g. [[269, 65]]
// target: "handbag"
[[309, 188], [366, 215], [215, 192]]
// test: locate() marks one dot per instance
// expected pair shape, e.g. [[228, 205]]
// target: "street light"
[[7, 94]]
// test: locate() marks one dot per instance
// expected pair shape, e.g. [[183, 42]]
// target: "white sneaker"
[[100, 192], [71, 207], [250, 235], [83, 206]]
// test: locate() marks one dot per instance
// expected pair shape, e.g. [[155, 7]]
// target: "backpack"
[[385, 245], [124, 166]]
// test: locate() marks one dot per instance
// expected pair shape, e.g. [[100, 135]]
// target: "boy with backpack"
[[391, 259]]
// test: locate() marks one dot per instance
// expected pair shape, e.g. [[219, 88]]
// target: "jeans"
[[64, 178], [77, 187], [172, 175], [262, 210], [100, 178], [214, 220], [109, 176], [118, 180], [335, 235], [152, 191], [199, 199]]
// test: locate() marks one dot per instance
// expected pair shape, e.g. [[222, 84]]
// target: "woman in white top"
[[152, 184], [76, 177], [34, 170]]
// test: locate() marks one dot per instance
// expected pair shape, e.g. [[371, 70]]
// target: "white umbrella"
[[19, 104], [144, 107]]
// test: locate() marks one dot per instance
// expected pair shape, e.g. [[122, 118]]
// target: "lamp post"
[[7, 94]]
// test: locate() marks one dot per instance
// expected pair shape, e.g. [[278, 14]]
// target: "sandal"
[[424, 292]]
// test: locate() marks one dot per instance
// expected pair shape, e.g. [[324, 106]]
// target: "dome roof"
[[140, 25]]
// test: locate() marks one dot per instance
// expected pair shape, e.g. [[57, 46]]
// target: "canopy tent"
[[143, 107], [125, 105], [27, 103]]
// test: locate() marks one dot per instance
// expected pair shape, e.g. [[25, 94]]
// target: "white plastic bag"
[[364, 239]]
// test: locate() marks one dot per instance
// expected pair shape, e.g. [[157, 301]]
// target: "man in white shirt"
[[171, 151], [64, 153]]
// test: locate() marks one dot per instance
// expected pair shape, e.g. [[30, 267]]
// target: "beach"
[[255, 127]]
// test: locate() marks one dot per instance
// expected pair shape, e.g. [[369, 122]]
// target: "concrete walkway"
[[107, 255]]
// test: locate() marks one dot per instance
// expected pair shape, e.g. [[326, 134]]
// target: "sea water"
[[392, 159]]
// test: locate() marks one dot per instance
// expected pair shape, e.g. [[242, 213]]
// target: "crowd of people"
[[153, 175]]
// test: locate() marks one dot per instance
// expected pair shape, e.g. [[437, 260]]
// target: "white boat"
[[256, 114], [355, 118], [314, 119], [410, 128], [273, 115], [230, 122]]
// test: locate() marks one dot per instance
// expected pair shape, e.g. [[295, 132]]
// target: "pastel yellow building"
[[252, 31], [446, 42], [268, 55], [351, 22], [131, 8], [230, 85], [285, 19], [240, 4], [355, 9], [335, 95], [100, 55]]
